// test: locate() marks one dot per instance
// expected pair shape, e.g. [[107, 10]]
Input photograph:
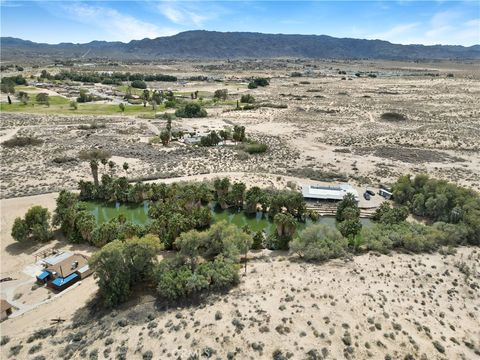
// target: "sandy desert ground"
[[372, 306]]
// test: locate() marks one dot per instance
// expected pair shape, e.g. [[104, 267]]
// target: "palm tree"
[[111, 165], [145, 97], [94, 168], [104, 162], [285, 224]]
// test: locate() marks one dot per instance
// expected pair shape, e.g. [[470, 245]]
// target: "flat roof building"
[[328, 193]]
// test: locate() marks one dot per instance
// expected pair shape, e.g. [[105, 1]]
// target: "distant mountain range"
[[233, 45]]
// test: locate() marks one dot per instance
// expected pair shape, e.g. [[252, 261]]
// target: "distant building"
[[328, 193], [63, 270], [5, 309]]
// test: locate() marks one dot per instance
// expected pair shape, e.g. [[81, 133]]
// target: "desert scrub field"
[[404, 306], [410, 118]]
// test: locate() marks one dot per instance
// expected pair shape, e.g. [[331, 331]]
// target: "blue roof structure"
[[43, 275], [59, 281]]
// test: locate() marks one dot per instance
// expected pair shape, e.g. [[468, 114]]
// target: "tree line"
[[113, 78], [207, 255]]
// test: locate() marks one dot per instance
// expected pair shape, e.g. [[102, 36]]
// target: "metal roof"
[[43, 275], [59, 281], [55, 259], [83, 269], [328, 192]]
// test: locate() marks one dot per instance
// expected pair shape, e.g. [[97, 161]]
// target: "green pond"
[[138, 214]]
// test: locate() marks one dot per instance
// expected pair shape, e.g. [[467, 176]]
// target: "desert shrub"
[[15, 350], [92, 126], [35, 348], [191, 110], [277, 242], [296, 74], [409, 236], [259, 82], [84, 96], [212, 139], [319, 243], [376, 239], [42, 98], [170, 104], [34, 226], [247, 99], [42, 334], [421, 238], [20, 141], [451, 234], [147, 355], [388, 215], [273, 106], [179, 282], [221, 94], [248, 107], [4, 340], [255, 148], [393, 116], [198, 78], [258, 240], [139, 84]]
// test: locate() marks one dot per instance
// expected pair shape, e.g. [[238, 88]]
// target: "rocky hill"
[[233, 45]]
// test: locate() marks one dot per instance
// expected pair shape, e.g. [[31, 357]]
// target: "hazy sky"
[[405, 22]]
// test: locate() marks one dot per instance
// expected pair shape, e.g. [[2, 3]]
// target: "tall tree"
[[285, 223], [94, 168]]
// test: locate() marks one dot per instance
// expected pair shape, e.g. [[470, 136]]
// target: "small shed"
[[84, 271], [6, 309], [61, 283]]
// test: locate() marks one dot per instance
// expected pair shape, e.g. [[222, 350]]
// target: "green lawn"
[[61, 105], [123, 88], [27, 88]]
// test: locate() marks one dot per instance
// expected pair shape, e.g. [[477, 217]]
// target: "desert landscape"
[[322, 126], [202, 194], [315, 125]]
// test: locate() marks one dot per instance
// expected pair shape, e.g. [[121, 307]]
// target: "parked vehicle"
[[370, 192], [366, 195]]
